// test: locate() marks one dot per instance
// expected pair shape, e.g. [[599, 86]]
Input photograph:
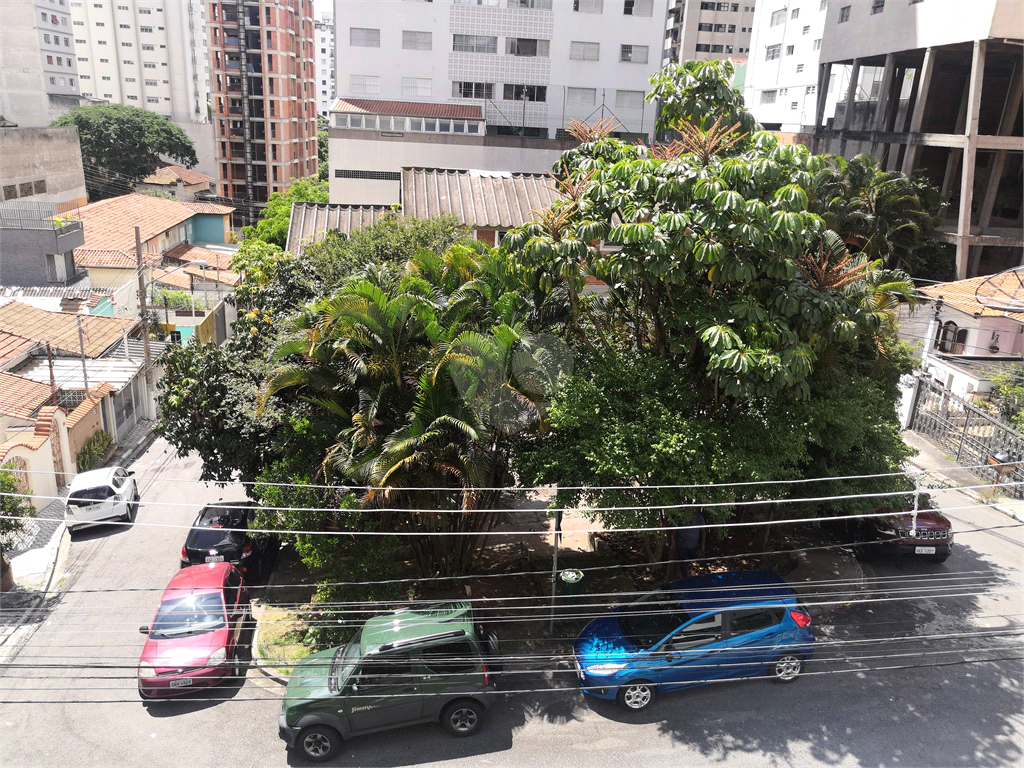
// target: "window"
[[477, 2], [705, 27], [732, 28], [101, 42], [751, 620], [817, 44], [636, 54], [364, 38], [535, 4], [778, 17], [877, 6], [126, 45], [793, 105], [145, 29], [151, 82], [719, 27], [704, 630], [581, 51], [104, 61], [146, 11], [104, 77], [475, 43], [134, 98], [129, 79], [416, 41], [722, 7], [100, 24], [525, 92], [526, 46], [629, 99], [702, 48], [588, 6], [448, 659], [46, 39], [581, 97], [716, 49], [824, 5], [810, 89], [735, 8], [124, 26], [844, 14], [149, 65], [768, 97], [772, 52], [467, 90], [49, 60], [638, 7], [364, 84], [790, 49], [147, 47], [383, 672], [799, 67], [414, 86], [79, 23], [153, 99], [707, 6], [795, 14], [80, 42]]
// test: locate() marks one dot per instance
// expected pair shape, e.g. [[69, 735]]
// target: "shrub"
[[91, 451]]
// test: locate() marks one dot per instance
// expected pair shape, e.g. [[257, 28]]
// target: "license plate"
[[181, 682], [215, 558], [924, 550]]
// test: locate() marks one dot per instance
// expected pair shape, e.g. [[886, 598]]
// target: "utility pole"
[[146, 367], [81, 349], [53, 380]]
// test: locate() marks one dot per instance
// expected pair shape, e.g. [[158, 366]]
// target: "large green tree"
[[122, 145], [272, 227]]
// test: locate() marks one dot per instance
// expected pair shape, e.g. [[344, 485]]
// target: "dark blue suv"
[[695, 631]]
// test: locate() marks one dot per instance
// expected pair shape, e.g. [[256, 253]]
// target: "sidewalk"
[[940, 471]]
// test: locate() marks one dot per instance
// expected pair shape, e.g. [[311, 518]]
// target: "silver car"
[[101, 495]]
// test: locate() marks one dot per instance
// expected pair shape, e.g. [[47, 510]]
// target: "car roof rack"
[[419, 640]]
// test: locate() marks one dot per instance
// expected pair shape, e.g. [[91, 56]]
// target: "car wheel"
[[237, 668], [786, 668], [638, 695], [318, 743], [462, 718]]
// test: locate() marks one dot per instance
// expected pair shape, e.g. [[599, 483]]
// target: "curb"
[[261, 665], [976, 497], [40, 596]]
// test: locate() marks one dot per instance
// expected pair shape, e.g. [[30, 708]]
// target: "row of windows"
[[709, 48], [772, 52], [120, 7], [24, 189], [731, 7], [717, 28], [60, 61], [629, 7], [770, 97], [410, 124], [56, 40]]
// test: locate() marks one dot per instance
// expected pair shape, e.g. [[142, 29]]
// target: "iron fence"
[[969, 434]]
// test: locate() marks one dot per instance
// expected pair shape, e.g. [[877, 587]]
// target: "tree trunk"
[[6, 573]]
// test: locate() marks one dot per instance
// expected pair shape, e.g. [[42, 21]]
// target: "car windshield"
[[213, 538], [192, 615], [342, 664], [91, 494], [650, 618]]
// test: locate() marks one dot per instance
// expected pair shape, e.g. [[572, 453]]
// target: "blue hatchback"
[[695, 631]]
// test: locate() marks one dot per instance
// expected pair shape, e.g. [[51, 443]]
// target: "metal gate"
[[969, 434]]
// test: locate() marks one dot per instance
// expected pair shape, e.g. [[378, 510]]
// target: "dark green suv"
[[411, 666]]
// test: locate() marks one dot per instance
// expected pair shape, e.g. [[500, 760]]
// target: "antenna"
[[1003, 291]]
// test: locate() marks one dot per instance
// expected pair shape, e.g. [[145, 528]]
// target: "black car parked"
[[215, 538]]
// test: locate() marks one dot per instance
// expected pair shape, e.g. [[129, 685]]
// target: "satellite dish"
[[1003, 292]]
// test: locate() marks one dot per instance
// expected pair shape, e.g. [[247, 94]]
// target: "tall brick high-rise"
[[263, 88]]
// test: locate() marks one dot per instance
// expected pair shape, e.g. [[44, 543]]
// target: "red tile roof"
[[171, 174], [20, 397], [214, 208], [60, 329], [189, 252], [110, 224], [408, 108], [114, 258], [12, 345], [964, 294]]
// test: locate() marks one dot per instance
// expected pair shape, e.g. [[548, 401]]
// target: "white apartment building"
[[782, 68], [37, 60], [532, 65], [151, 54], [324, 46], [704, 30]]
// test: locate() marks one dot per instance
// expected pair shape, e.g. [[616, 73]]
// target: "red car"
[[930, 538], [196, 636]]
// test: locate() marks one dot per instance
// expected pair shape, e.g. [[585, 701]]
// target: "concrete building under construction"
[[948, 105]]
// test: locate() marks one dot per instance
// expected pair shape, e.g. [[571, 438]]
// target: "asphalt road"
[[847, 710]]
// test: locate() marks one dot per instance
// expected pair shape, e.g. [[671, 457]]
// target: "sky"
[[320, 6]]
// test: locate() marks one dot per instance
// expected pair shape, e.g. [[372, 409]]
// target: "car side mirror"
[[144, 630]]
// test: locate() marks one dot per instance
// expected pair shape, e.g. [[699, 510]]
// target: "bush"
[[16, 507], [91, 451]]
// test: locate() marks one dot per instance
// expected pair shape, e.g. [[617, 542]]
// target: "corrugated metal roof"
[[408, 108], [311, 221], [482, 199], [136, 350]]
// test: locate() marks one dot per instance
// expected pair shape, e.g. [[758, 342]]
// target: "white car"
[[101, 495]]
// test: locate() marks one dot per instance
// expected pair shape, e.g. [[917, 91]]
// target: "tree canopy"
[[273, 225], [122, 145]]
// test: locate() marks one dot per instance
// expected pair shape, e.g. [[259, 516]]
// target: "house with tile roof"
[[108, 251], [966, 331], [182, 183]]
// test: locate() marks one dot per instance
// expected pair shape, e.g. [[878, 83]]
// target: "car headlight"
[[217, 657], [146, 669], [604, 669], [888, 532]]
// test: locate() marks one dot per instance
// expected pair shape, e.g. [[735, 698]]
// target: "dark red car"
[[196, 636], [929, 537]]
